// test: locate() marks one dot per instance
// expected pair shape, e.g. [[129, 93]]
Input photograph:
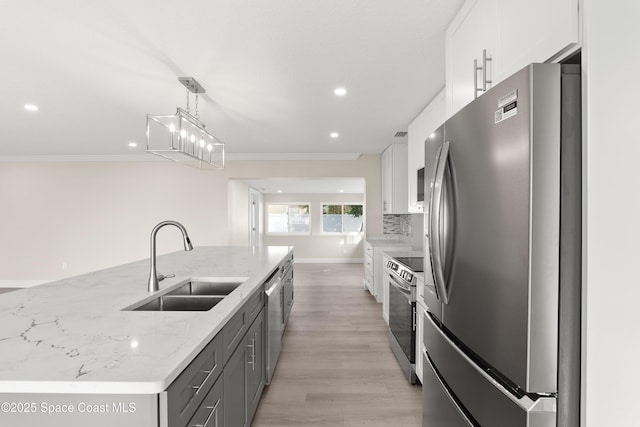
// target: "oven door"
[[402, 316]]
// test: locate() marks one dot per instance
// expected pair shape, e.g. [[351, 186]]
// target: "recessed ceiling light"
[[133, 144], [342, 191], [340, 91], [334, 134], [31, 107], [279, 191]]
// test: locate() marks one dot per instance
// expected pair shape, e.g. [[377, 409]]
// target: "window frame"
[[287, 233], [342, 205]]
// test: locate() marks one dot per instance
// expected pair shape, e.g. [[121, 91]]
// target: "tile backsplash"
[[409, 225]]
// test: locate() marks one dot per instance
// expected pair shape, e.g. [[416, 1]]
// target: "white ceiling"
[[96, 68], [308, 186]]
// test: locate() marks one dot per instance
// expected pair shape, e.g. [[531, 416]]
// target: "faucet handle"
[[161, 277]]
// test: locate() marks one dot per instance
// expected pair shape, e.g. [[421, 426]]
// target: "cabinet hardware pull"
[[485, 59], [197, 388], [213, 411], [252, 346], [476, 89]]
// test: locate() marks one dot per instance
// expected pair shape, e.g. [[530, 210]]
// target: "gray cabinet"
[[244, 377], [211, 411], [287, 296], [186, 394], [255, 365], [223, 384]]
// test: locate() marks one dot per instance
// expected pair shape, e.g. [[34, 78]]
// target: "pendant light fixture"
[[182, 137]]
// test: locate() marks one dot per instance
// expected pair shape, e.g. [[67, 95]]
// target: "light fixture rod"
[[192, 85]]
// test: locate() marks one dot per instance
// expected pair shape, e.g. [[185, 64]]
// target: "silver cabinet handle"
[[252, 346], [485, 59], [197, 388], [435, 208], [476, 89], [484, 70], [213, 408]]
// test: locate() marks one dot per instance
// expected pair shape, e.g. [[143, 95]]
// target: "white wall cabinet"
[[419, 130], [394, 179], [514, 33], [471, 31]]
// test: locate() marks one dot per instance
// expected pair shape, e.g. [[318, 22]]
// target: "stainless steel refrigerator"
[[503, 243]]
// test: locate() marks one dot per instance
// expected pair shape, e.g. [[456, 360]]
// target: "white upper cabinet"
[[394, 179], [513, 33], [534, 31], [471, 32], [419, 130]]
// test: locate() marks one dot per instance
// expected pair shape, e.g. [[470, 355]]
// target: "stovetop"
[[415, 264]]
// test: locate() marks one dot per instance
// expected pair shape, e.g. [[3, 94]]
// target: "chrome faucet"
[[154, 277]]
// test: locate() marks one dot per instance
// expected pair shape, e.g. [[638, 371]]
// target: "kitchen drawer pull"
[[213, 408], [197, 388], [252, 346]]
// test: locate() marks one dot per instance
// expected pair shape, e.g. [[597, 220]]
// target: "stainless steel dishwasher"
[[274, 320]]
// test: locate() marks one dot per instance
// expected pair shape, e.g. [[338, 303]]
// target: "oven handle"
[[396, 284]]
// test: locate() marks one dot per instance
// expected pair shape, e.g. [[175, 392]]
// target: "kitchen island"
[[72, 342]]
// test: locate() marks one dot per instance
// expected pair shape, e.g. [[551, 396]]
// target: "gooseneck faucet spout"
[[154, 278]]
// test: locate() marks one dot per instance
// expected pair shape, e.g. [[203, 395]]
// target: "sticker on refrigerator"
[[507, 111], [508, 98]]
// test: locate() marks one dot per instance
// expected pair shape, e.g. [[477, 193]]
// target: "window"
[[288, 218], [341, 218]]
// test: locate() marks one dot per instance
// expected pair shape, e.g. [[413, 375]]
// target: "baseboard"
[[21, 283], [329, 260]]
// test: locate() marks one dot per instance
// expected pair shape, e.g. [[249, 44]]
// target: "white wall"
[[238, 221], [317, 246], [611, 283], [93, 215]]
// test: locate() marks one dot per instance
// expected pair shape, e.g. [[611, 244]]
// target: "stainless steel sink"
[[194, 294], [208, 286], [180, 303]]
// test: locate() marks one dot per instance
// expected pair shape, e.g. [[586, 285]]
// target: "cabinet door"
[[533, 31], [211, 411], [419, 131], [235, 388], [255, 365], [387, 181], [287, 295], [472, 30]]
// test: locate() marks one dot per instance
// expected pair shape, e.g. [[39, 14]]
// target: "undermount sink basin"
[[180, 303], [194, 294], [208, 286]]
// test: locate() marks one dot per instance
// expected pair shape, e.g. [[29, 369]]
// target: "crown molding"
[[147, 158], [291, 156]]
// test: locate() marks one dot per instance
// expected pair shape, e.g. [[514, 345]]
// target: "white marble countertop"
[[388, 239], [72, 336]]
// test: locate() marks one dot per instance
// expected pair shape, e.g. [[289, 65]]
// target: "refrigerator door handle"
[[435, 218]]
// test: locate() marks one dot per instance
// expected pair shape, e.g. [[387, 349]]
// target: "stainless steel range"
[[400, 274]]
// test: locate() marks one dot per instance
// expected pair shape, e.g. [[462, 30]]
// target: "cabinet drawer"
[[235, 329], [188, 391], [287, 300], [255, 304], [211, 411]]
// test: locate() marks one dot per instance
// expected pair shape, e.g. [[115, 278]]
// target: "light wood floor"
[[336, 368]]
